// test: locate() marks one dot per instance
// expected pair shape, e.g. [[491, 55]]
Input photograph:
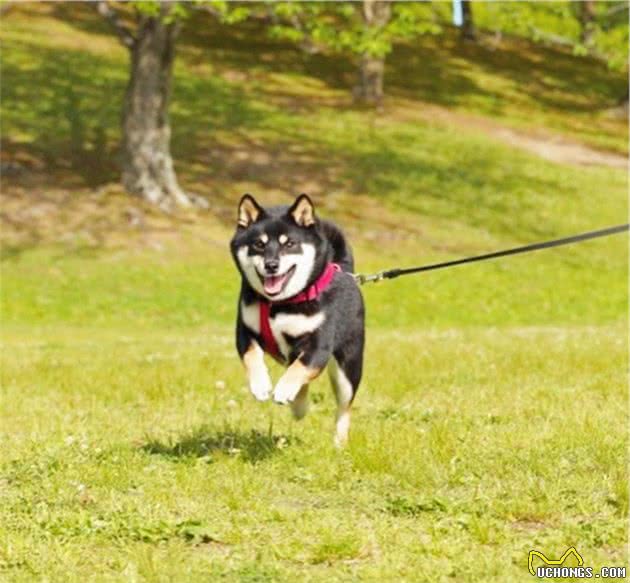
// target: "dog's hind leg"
[[344, 393], [299, 405]]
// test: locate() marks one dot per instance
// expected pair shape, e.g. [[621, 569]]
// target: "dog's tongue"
[[273, 283]]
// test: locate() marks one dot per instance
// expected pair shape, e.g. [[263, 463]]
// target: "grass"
[[492, 419], [141, 453]]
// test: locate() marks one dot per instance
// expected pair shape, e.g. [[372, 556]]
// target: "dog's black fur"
[[340, 335]]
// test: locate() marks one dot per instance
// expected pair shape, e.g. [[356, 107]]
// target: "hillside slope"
[[427, 178]]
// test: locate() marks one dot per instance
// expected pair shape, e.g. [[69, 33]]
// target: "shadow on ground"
[[252, 447]]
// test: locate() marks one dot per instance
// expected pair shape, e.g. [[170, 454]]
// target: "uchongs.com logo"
[[556, 569]]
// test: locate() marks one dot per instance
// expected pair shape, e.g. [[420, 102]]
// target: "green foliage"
[[177, 11], [611, 35], [229, 12], [339, 26], [147, 7], [413, 18], [560, 22]]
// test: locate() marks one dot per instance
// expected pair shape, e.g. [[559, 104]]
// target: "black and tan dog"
[[299, 303]]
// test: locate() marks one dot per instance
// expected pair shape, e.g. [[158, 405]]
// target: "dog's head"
[[280, 250]]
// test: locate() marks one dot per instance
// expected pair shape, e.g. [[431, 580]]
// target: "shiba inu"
[[299, 303]]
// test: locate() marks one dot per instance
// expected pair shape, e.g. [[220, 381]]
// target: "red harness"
[[311, 293]]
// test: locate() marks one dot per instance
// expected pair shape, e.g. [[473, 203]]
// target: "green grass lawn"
[[493, 415], [138, 455], [492, 420]]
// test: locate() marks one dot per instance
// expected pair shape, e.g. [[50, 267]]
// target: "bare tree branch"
[[124, 33]]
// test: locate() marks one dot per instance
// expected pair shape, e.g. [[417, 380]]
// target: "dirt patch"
[[96, 219], [547, 145], [560, 150]]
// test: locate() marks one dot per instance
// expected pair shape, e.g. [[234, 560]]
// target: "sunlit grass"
[[124, 453]]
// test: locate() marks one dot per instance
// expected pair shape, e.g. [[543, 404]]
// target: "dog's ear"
[[249, 211], [302, 211]]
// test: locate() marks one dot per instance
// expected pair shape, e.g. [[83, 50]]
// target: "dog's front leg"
[[257, 373], [313, 353], [295, 377]]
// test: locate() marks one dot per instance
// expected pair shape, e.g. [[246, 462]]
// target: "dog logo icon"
[[560, 561]]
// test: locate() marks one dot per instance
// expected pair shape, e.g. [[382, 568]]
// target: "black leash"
[[392, 273]]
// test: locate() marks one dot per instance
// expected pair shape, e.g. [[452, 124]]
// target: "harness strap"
[[269, 342], [311, 293]]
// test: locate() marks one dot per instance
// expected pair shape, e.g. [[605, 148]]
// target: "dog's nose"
[[271, 265]]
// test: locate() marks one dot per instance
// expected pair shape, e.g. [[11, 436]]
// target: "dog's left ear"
[[302, 211]]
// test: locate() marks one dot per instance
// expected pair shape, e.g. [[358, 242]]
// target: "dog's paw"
[[260, 386], [286, 391]]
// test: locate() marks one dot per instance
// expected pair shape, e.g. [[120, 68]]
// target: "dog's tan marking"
[[264, 238], [342, 427], [282, 239], [343, 394], [292, 381], [257, 373]]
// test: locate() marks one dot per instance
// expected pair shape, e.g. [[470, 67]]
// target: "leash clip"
[[361, 278]]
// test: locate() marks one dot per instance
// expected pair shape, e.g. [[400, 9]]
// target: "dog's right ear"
[[249, 211]]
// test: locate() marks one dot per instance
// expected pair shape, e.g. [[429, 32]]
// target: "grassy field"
[[140, 456], [493, 416]]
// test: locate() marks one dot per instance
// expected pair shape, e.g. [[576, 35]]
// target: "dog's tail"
[[341, 251]]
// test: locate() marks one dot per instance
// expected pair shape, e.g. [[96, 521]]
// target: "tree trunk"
[[376, 14], [370, 87], [468, 25], [147, 163], [587, 21], [623, 102]]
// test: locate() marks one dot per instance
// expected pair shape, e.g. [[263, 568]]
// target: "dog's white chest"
[[283, 323]]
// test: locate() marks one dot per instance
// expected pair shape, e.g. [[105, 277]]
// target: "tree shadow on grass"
[[253, 446], [449, 71]]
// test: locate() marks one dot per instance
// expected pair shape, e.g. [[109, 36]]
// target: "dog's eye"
[[259, 245], [289, 244]]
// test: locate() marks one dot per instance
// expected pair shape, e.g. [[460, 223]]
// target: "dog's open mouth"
[[274, 284]]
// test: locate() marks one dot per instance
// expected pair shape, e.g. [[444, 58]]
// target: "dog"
[[300, 303]]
